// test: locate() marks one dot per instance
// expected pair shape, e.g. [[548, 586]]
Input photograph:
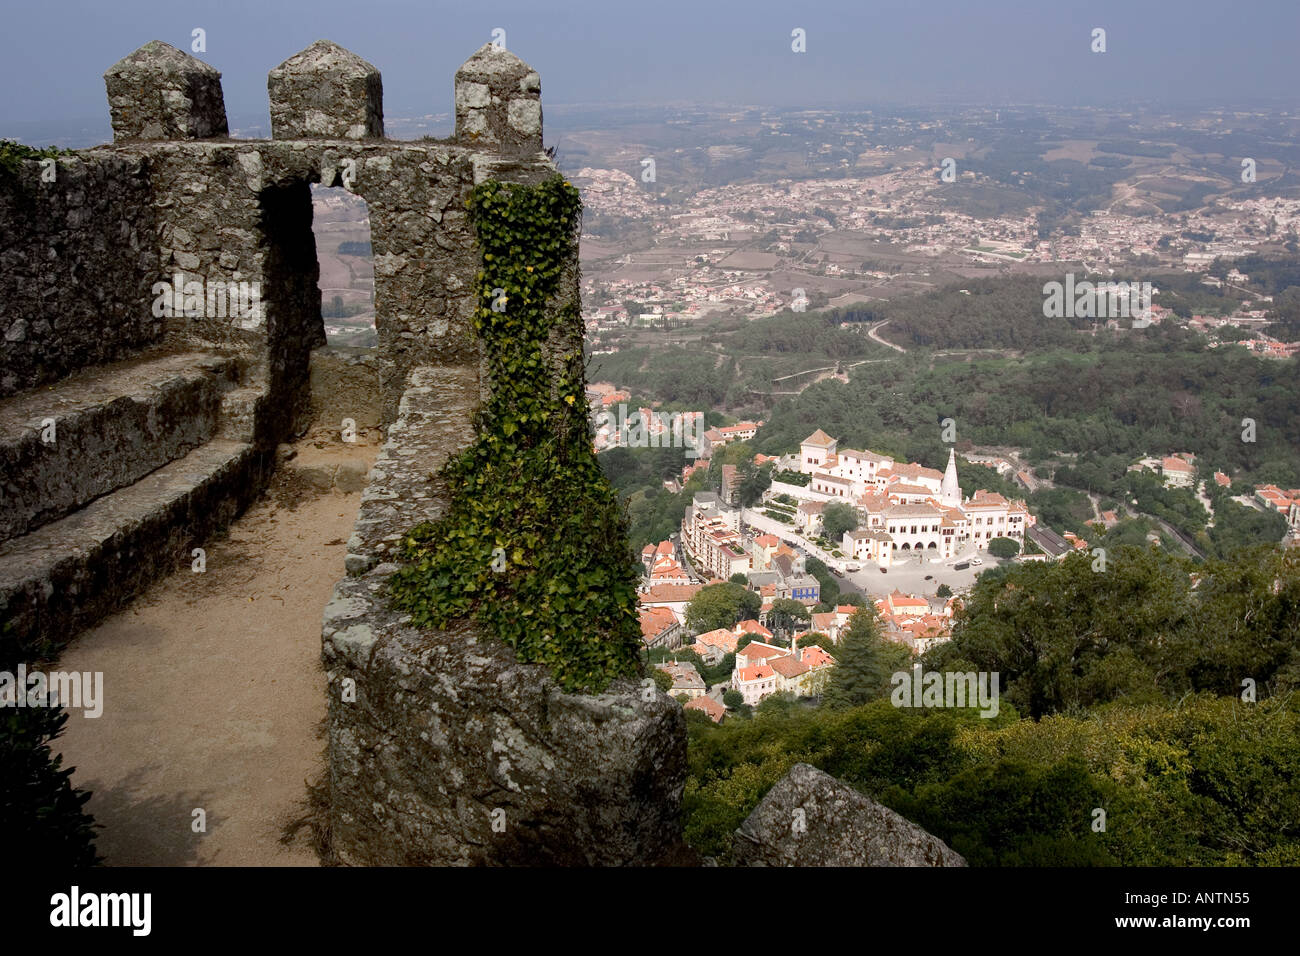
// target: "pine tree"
[[865, 662]]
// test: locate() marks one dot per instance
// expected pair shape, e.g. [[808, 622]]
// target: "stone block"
[[812, 819], [498, 102], [326, 92], [160, 92], [453, 753]]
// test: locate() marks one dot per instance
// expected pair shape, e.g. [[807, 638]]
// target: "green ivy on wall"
[[534, 543]]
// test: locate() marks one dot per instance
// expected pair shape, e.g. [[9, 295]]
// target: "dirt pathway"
[[214, 696], [871, 334]]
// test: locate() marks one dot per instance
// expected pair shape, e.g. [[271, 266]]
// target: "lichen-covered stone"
[[110, 426], [811, 819], [326, 92], [231, 211], [160, 92], [498, 101], [452, 752], [68, 574]]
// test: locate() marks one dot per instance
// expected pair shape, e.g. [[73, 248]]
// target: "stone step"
[[67, 444], [65, 576], [239, 412]]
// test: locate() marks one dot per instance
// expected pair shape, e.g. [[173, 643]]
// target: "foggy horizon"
[[1006, 53]]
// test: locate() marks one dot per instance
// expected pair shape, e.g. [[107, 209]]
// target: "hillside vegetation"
[[1161, 696]]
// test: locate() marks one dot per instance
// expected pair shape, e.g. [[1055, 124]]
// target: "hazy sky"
[[1200, 52]]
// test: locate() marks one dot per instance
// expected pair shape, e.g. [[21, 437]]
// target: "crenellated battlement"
[[120, 248], [238, 211], [323, 92]]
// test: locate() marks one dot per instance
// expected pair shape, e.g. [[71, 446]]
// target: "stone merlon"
[[499, 101], [159, 92], [326, 92]]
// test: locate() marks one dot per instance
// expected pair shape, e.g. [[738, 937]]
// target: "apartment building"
[[712, 539]]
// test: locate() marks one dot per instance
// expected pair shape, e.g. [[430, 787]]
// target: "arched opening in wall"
[[341, 224]]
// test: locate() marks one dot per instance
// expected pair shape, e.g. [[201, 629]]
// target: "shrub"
[[42, 814], [1204, 782], [13, 152]]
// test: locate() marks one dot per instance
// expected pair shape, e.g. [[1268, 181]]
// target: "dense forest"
[[1113, 404]]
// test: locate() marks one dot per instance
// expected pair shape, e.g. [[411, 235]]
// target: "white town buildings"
[[905, 507]]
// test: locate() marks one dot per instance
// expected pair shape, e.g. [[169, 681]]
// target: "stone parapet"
[[443, 749]]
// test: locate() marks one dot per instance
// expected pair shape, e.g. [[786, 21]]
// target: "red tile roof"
[[654, 621], [720, 638], [814, 656], [756, 650], [708, 705], [789, 667], [669, 593]]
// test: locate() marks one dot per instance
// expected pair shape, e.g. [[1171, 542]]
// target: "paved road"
[[1177, 535], [1191, 549], [907, 574]]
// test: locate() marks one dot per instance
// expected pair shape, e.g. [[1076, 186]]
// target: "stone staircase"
[[110, 477]]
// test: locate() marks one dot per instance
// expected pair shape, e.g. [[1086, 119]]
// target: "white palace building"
[[903, 507]]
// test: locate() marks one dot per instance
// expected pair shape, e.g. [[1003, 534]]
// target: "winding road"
[[871, 334]]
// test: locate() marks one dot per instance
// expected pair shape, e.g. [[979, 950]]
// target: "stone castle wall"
[[174, 200], [444, 749], [76, 266]]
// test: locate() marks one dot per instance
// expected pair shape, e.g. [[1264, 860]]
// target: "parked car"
[[837, 572]]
